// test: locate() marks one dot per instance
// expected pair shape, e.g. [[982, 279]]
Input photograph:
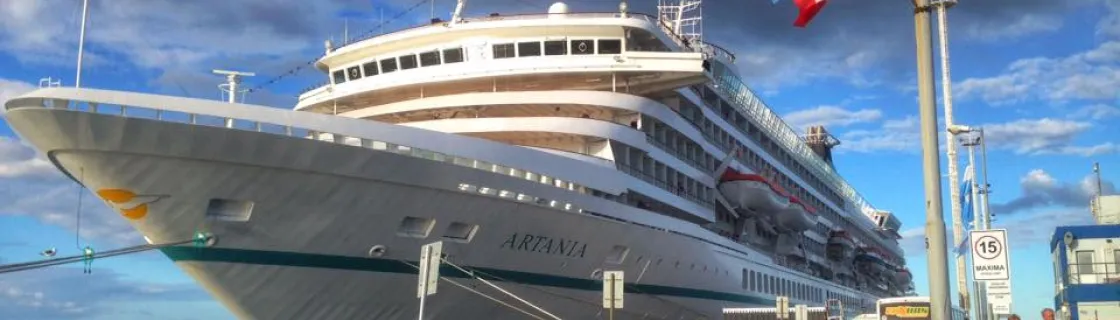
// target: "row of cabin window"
[[768, 284], [405, 62], [557, 48]]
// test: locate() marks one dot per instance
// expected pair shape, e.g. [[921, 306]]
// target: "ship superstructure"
[[544, 149]]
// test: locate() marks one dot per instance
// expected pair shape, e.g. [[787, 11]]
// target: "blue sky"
[[1039, 75]]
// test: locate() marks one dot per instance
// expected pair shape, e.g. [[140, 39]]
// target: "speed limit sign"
[[989, 255]]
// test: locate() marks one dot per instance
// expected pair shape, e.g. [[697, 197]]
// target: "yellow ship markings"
[[131, 205]]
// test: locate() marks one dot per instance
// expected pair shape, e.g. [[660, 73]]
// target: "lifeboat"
[[869, 260], [903, 276], [840, 245], [797, 216], [752, 191]]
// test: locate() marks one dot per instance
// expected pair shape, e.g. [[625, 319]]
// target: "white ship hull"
[[319, 208]]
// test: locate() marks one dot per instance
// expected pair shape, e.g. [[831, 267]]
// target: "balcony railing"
[[1094, 273]]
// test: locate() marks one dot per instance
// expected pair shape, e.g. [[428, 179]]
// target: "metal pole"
[[81, 43], [951, 148], [426, 252], [987, 187], [936, 250], [611, 312], [978, 303], [1097, 206]]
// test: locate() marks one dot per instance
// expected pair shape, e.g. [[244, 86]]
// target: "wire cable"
[[78, 227], [471, 274], [630, 286], [24, 266], [472, 290], [363, 36]]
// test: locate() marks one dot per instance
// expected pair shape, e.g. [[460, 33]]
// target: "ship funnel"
[[821, 142]]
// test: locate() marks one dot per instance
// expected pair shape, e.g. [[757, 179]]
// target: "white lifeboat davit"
[[797, 216], [753, 192]]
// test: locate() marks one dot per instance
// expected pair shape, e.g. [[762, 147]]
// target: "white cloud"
[[1043, 136], [163, 35], [11, 88], [830, 116], [913, 241], [1089, 75], [29, 185], [16, 160], [1026, 24], [1025, 136], [67, 293], [902, 135], [1040, 190], [1037, 228], [1109, 26], [1096, 112]]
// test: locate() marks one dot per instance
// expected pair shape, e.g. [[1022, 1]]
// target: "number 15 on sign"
[[989, 255]]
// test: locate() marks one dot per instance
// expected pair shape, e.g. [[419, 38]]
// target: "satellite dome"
[[558, 8]]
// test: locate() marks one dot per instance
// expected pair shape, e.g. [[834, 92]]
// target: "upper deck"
[[559, 50], [488, 54]]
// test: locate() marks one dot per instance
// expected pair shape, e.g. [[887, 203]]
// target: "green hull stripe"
[[292, 259]]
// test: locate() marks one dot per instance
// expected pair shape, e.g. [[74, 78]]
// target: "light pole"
[[936, 250], [951, 148], [971, 143], [982, 220], [987, 187]]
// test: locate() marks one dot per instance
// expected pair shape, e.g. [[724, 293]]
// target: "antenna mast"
[[233, 79], [457, 16], [81, 43], [1097, 203]]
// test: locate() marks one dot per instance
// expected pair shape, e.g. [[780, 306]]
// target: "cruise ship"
[[541, 150]]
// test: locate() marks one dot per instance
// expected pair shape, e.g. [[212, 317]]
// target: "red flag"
[[808, 10]]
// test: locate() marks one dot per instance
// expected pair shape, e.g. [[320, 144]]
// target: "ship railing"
[[710, 50], [205, 119], [299, 132], [1094, 273], [661, 183], [318, 86], [679, 155], [511, 17], [733, 90]]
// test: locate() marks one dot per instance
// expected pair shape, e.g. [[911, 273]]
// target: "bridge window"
[[408, 62], [528, 49], [452, 55], [610, 46], [355, 73], [389, 65], [555, 47], [583, 46], [370, 68], [339, 76], [1115, 261], [1084, 262], [504, 50], [430, 58]]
